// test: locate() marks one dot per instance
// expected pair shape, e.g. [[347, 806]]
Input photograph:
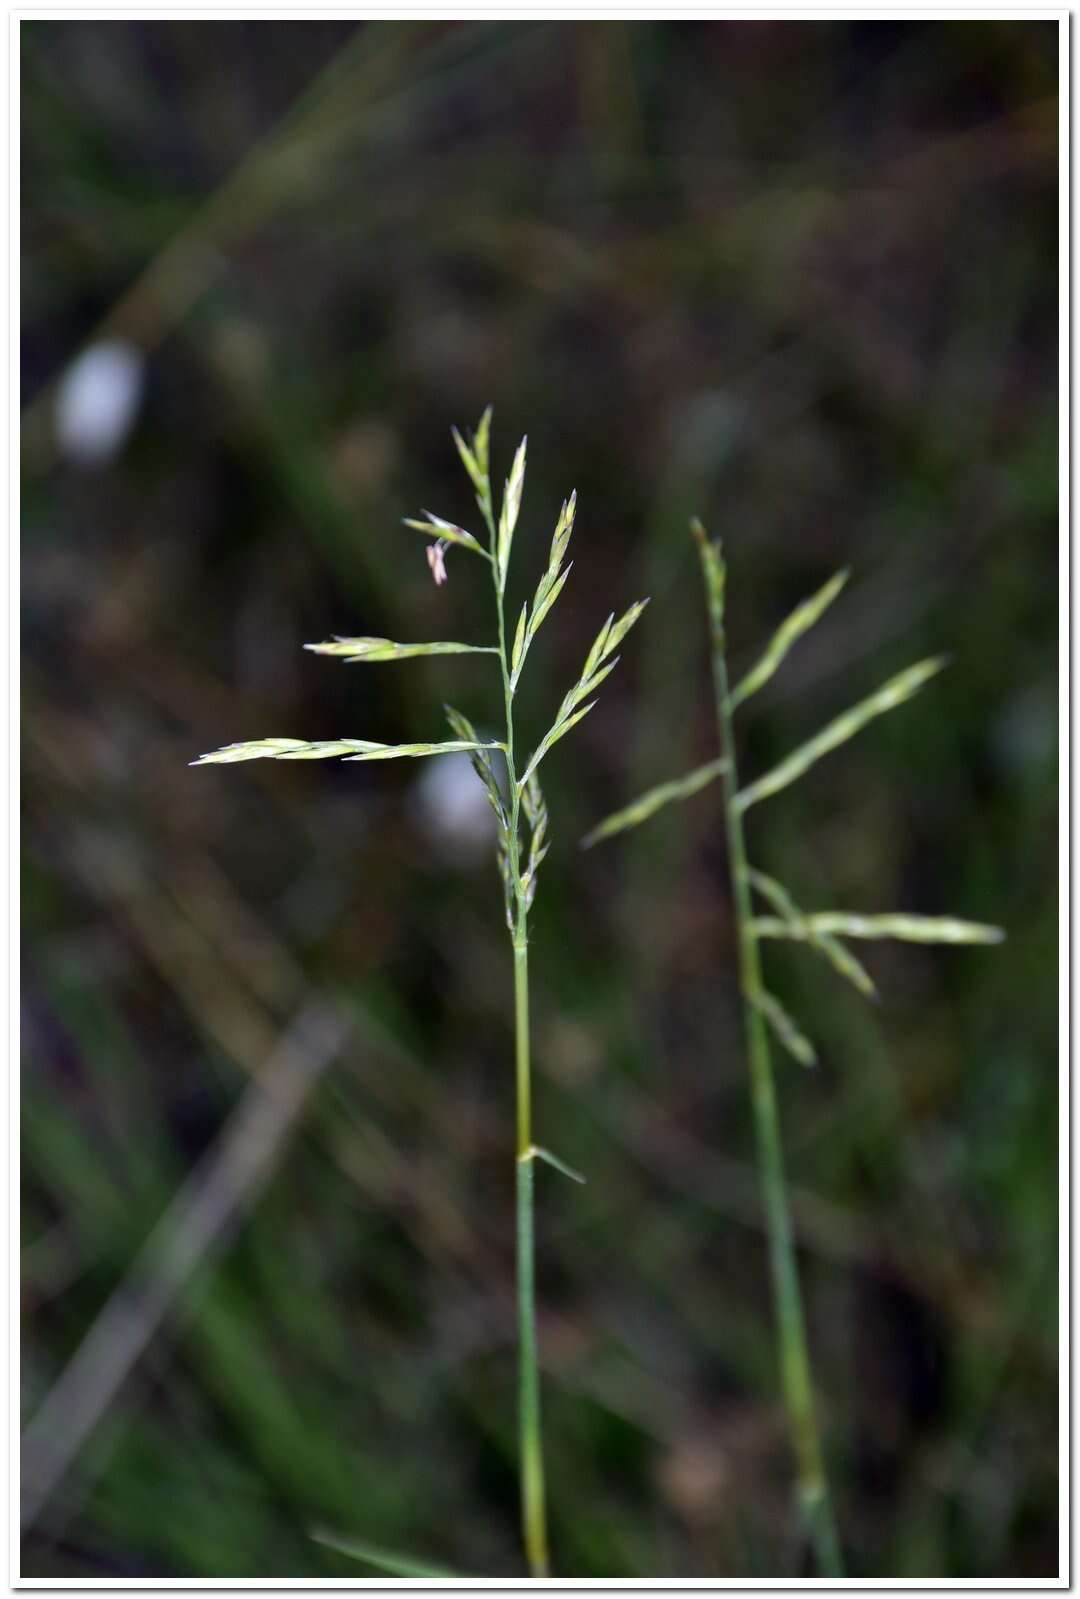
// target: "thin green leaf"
[[535, 1152], [788, 634], [834, 952], [389, 1560], [784, 1027], [384, 649], [436, 528], [909, 929], [891, 694], [654, 800], [511, 505]]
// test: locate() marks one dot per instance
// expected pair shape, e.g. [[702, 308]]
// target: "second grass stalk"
[[791, 1325]]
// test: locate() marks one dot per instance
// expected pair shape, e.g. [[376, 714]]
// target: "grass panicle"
[[522, 842], [823, 933]]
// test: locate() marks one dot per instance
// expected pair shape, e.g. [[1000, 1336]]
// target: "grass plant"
[[765, 1018], [522, 843]]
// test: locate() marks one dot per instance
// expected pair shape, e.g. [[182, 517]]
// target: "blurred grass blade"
[[539, 1153], [788, 634], [839, 957], [907, 928], [891, 694], [654, 800], [351, 749], [384, 649], [389, 1560], [436, 528], [190, 1230], [784, 1027]]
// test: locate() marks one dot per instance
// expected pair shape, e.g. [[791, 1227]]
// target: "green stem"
[[794, 1355], [531, 1448]]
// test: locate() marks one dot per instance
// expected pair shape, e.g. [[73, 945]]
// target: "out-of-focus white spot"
[[1024, 737], [709, 429], [451, 808], [98, 401]]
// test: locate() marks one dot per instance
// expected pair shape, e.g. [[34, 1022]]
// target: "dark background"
[[799, 278]]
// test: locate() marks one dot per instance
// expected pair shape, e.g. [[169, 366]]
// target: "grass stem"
[[530, 1436], [791, 1326]]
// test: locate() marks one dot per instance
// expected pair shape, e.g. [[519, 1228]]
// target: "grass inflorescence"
[[765, 1017], [522, 843]]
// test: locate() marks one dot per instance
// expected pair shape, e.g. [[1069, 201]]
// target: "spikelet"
[[787, 634], [714, 573], [784, 1028], [840, 958], [508, 516], [349, 749], [887, 698], [548, 590], [596, 668], [436, 528], [536, 814], [909, 929], [654, 800], [373, 650]]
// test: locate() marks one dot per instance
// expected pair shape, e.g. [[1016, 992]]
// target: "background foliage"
[[799, 278]]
